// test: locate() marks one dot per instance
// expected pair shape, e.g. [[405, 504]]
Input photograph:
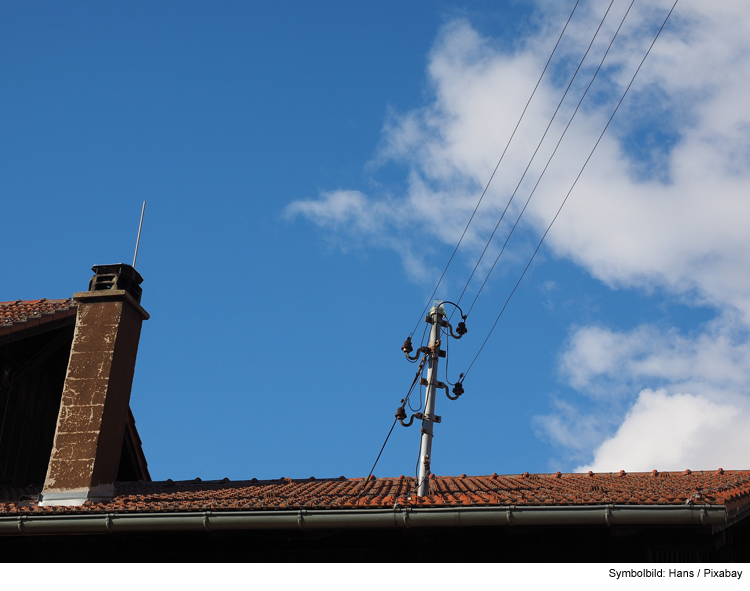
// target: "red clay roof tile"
[[23, 310], [21, 315], [729, 488]]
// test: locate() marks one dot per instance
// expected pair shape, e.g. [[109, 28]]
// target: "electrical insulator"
[[400, 413], [461, 329], [458, 389], [406, 347]]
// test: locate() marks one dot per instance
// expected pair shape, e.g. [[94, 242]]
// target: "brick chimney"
[[96, 395]]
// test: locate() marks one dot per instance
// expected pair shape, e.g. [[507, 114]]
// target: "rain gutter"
[[398, 517]]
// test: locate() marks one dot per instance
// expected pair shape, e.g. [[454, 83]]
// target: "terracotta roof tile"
[[22, 314], [729, 488], [23, 310]]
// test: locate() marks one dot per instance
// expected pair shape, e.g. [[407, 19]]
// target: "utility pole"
[[436, 315], [432, 354]]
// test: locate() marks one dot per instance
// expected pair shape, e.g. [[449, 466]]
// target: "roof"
[[25, 310], [730, 489], [21, 315]]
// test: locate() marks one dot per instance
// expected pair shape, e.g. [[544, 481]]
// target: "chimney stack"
[[96, 395]]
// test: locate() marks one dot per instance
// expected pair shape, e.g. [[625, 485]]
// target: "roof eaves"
[[397, 517]]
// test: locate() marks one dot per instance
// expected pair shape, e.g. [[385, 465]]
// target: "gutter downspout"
[[595, 515]]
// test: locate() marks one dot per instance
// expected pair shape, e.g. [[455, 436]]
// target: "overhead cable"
[[544, 170], [571, 189], [420, 369], [492, 176], [539, 145]]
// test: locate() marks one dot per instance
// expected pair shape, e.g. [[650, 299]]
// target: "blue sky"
[[308, 169]]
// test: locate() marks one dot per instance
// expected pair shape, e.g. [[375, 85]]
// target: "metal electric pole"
[[430, 354], [436, 315]]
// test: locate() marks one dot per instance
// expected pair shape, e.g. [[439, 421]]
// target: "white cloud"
[[714, 360], [687, 235], [663, 204], [697, 419], [340, 210], [676, 432]]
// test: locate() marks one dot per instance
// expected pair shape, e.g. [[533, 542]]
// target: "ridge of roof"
[[730, 488]]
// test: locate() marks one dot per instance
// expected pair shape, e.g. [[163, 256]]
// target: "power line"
[[539, 145], [492, 176], [544, 170], [571, 189], [381, 450], [403, 402]]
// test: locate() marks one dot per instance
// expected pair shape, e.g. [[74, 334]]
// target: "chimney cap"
[[117, 277], [119, 269]]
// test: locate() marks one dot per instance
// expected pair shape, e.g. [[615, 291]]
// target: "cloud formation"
[[663, 204], [675, 432], [693, 391]]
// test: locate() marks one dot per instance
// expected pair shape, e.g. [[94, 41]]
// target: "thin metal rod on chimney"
[[138, 240]]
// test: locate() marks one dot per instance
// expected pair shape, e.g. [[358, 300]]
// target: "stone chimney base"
[[73, 498]]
